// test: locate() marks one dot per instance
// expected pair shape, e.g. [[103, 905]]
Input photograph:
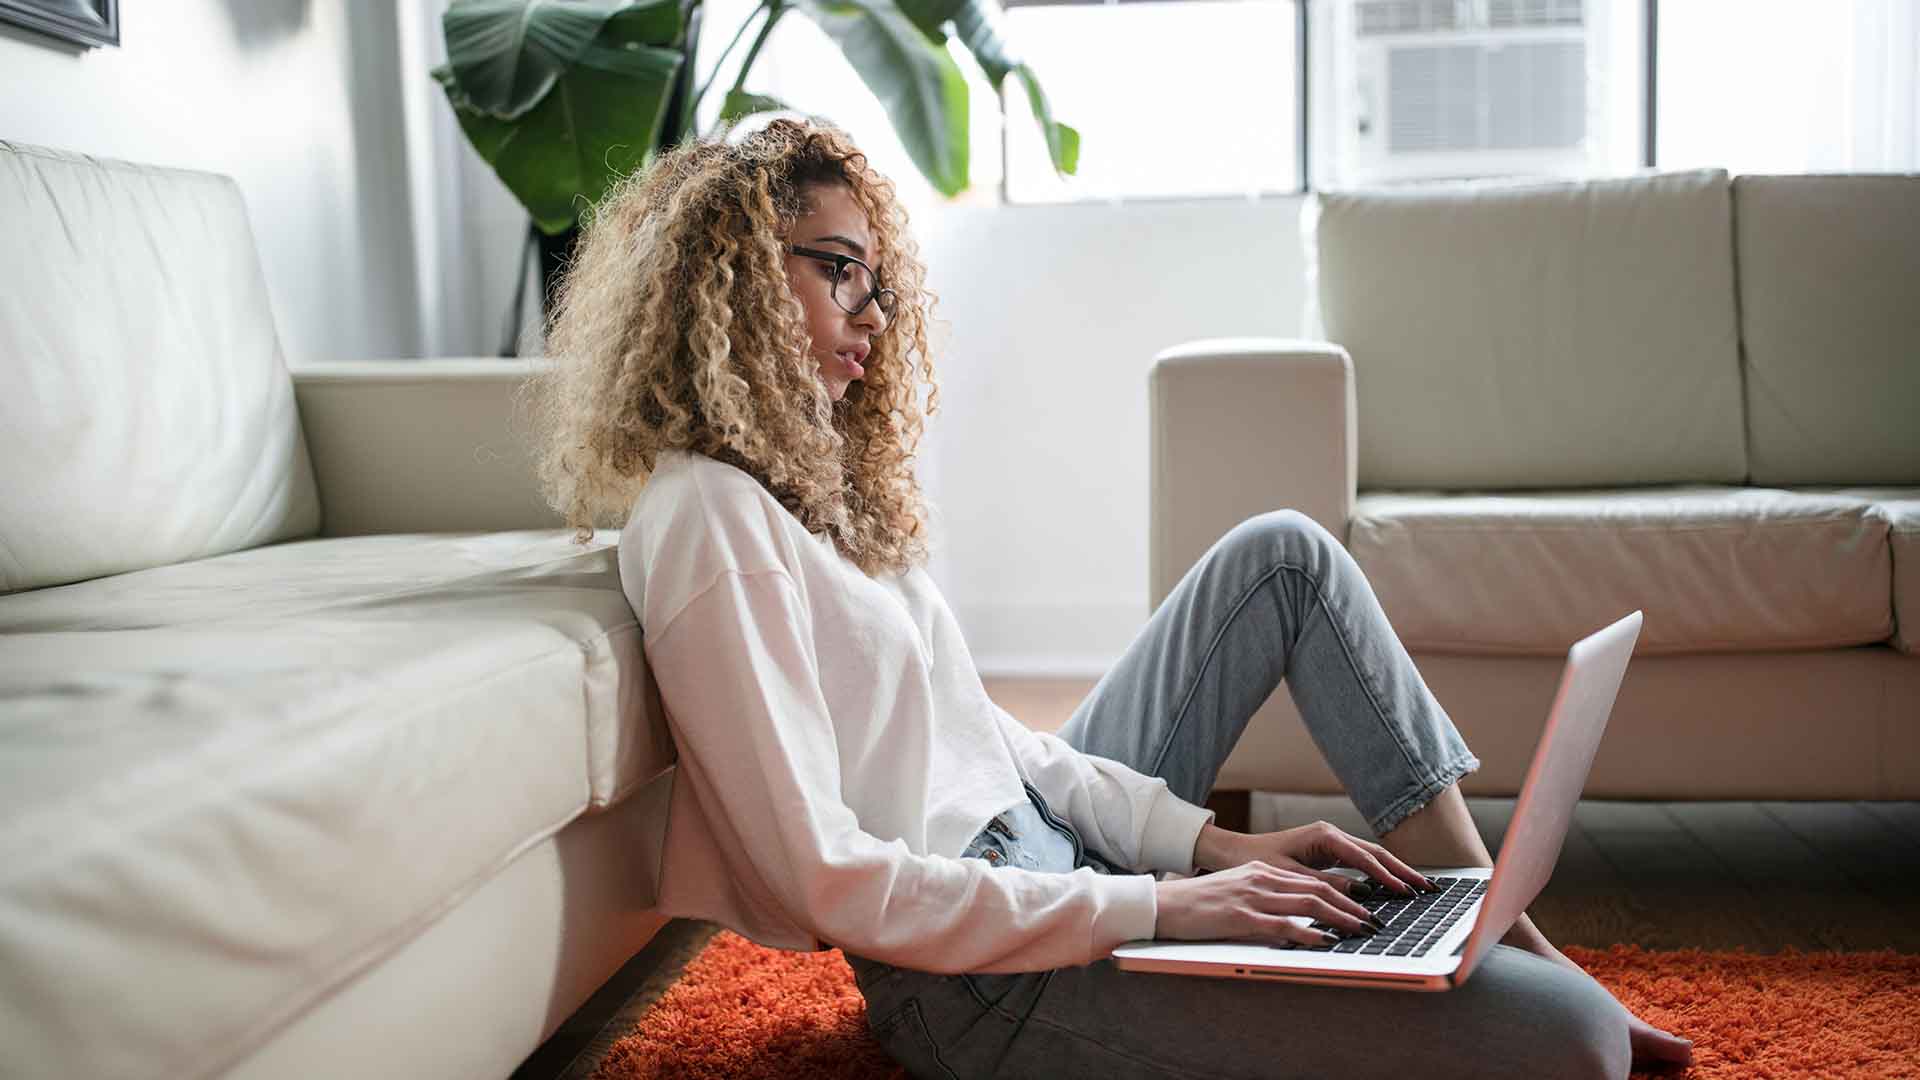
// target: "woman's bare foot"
[[1652, 1047], [1442, 833]]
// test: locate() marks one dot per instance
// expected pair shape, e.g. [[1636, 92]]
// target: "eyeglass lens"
[[853, 285]]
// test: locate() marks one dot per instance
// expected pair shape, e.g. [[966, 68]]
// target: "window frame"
[[1303, 181]]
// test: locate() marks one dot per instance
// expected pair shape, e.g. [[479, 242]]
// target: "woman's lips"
[[852, 365]]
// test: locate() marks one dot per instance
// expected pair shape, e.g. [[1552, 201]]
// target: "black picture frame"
[[83, 22]]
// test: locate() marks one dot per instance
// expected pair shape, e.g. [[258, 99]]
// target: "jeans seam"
[[966, 979], [1180, 716], [920, 1029], [1338, 635], [1360, 675], [1425, 792]]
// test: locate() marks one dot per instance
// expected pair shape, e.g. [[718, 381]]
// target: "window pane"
[[1170, 98], [1809, 88], [1429, 89]]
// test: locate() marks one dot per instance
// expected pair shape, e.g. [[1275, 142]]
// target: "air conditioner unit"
[[1462, 88]]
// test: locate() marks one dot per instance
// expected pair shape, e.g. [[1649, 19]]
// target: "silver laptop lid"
[[1554, 781]]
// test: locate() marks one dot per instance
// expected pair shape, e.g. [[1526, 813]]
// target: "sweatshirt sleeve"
[[738, 675], [1120, 812]]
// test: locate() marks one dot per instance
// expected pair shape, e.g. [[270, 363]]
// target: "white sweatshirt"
[[838, 752]]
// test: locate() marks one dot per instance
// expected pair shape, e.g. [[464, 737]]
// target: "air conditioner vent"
[[1511, 13], [1416, 16], [1517, 96], [1410, 16]]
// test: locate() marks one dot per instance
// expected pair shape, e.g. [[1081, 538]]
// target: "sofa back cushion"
[[148, 417], [1521, 334], [1830, 319]]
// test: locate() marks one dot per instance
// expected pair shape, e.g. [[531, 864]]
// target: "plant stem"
[[701, 93], [774, 10]]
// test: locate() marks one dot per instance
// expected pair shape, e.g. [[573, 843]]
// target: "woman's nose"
[[870, 317]]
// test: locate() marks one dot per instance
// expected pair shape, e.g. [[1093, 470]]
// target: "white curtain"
[[1786, 86], [469, 230], [1874, 76]]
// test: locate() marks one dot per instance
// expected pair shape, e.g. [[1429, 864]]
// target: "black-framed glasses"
[[854, 283]]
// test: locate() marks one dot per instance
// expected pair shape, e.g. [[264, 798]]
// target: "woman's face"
[[840, 341]]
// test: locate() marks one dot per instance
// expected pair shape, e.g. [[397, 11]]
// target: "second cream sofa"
[[1528, 408]]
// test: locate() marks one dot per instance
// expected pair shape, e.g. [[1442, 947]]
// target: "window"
[[1238, 98], [1171, 98]]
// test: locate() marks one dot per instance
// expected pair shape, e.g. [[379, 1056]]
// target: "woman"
[[739, 345]]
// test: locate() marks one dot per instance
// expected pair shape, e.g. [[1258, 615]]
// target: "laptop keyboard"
[[1414, 922]]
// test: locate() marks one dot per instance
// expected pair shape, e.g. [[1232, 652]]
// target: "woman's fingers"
[[1320, 910], [1392, 861], [1285, 929], [1330, 901], [1344, 884], [1384, 868]]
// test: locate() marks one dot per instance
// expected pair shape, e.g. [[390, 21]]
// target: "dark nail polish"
[[1329, 938], [1378, 923], [1361, 890]]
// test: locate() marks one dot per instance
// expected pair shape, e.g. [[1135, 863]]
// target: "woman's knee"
[[1290, 535], [1562, 1023], [1286, 525]]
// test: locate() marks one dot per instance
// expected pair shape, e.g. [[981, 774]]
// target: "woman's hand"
[[1252, 901], [1309, 850]]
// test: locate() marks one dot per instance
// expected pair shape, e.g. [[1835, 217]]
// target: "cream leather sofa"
[[323, 751], [1528, 408]]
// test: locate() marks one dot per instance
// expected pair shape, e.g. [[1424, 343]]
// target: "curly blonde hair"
[[674, 327]]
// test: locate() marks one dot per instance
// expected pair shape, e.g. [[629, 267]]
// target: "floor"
[[1761, 876]]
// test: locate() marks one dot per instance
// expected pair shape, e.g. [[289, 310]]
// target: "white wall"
[[1039, 451], [292, 98]]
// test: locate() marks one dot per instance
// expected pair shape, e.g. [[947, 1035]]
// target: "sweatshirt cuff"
[[1173, 826], [1129, 911]]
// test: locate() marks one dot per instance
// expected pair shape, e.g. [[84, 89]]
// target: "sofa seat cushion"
[[262, 772], [1716, 569], [537, 576], [1901, 507]]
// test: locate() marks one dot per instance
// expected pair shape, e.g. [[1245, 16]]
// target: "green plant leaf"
[[1063, 142], [980, 26], [598, 122], [929, 15], [919, 85], [506, 55], [740, 104]]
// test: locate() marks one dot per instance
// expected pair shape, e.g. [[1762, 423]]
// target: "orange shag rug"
[[741, 1010]]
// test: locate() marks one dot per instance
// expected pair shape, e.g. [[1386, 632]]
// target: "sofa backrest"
[[1516, 334], [147, 415], [1829, 270]]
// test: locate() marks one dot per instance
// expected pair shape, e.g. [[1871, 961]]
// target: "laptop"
[[1433, 941]]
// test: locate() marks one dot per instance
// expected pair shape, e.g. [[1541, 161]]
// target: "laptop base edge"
[[1381, 980]]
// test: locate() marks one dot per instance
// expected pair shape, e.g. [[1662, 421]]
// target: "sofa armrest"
[[1239, 427], [420, 446]]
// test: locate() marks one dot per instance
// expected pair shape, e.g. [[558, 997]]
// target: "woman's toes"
[[1650, 1044]]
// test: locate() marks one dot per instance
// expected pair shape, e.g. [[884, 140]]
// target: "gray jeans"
[[1276, 599]]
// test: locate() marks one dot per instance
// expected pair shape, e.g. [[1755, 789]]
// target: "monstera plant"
[[564, 97]]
